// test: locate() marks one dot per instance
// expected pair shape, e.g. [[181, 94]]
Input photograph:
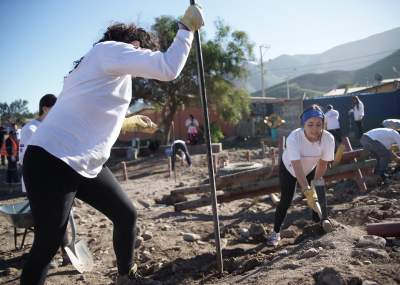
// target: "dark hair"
[[356, 101], [329, 107], [127, 33], [48, 101]]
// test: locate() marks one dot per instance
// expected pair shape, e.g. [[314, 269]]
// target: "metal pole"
[[262, 72], [287, 88], [262, 68], [202, 90]]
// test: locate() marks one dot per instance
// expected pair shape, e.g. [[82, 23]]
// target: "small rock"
[[257, 232], [190, 237], [397, 277], [144, 203], [328, 276], [146, 256], [370, 253], [371, 241], [369, 282], [288, 233], [165, 227], [147, 235], [139, 242], [244, 233], [386, 206], [354, 280], [309, 253], [377, 253], [367, 262], [283, 252]]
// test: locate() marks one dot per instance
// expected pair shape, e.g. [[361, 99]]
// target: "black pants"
[[360, 130], [181, 147], [288, 187], [12, 170], [337, 134], [52, 187]]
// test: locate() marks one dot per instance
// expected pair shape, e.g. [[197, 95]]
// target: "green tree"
[[224, 56], [15, 112]]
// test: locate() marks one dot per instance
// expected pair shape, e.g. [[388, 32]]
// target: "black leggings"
[[52, 186], [288, 187]]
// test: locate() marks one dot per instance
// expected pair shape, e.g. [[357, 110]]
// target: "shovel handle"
[[73, 226]]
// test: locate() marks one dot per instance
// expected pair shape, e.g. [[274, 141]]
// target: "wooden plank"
[[358, 175], [269, 186]]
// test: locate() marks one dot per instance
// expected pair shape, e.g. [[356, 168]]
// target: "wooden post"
[[169, 166], [262, 149], [248, 155], [124, 170], [358, 175]]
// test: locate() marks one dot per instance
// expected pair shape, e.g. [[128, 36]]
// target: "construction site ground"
[[305, 256]]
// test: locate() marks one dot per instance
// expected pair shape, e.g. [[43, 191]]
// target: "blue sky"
[[40, 39]]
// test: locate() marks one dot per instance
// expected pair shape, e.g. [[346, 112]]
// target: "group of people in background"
[[9, 150], [379, 141]]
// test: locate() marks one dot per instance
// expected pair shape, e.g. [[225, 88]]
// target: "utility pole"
[[266, 47], [287, 89]]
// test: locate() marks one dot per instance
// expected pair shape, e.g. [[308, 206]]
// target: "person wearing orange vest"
[[11, 151]]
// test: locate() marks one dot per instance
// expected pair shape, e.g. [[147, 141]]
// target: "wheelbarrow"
[[20, 217]]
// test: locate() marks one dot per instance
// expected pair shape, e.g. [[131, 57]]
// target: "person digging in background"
[[305, 157], [66, 156], [379, 142], [178, 147]]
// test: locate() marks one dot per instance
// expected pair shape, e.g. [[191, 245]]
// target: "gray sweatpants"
[[379, 151]]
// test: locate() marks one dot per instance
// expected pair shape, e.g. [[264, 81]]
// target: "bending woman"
[[305, 157]]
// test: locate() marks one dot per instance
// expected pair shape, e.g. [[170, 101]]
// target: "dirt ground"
[[306, 255]]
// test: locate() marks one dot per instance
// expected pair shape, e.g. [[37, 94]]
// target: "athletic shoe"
[[274, 239], [134, 278]]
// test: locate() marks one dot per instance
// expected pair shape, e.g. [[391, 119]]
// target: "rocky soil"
[[179, 248]]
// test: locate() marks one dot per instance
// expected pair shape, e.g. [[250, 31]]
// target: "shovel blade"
[[80, 256]]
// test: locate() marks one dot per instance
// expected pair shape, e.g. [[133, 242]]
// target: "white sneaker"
[[274, 239]]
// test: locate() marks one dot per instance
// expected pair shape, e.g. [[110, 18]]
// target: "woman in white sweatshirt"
[[66, 155]]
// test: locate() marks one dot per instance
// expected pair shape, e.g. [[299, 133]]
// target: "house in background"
[[386, 85]]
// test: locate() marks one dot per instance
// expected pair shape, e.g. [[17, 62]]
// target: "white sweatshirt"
[[86, 120]]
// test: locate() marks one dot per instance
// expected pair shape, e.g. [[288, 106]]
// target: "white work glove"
[[193, 18], [138, 123]]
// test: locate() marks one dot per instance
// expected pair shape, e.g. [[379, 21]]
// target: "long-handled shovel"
[[202, 90], [77, 251]]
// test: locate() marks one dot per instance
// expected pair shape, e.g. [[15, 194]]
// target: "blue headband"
[[312, 113]]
